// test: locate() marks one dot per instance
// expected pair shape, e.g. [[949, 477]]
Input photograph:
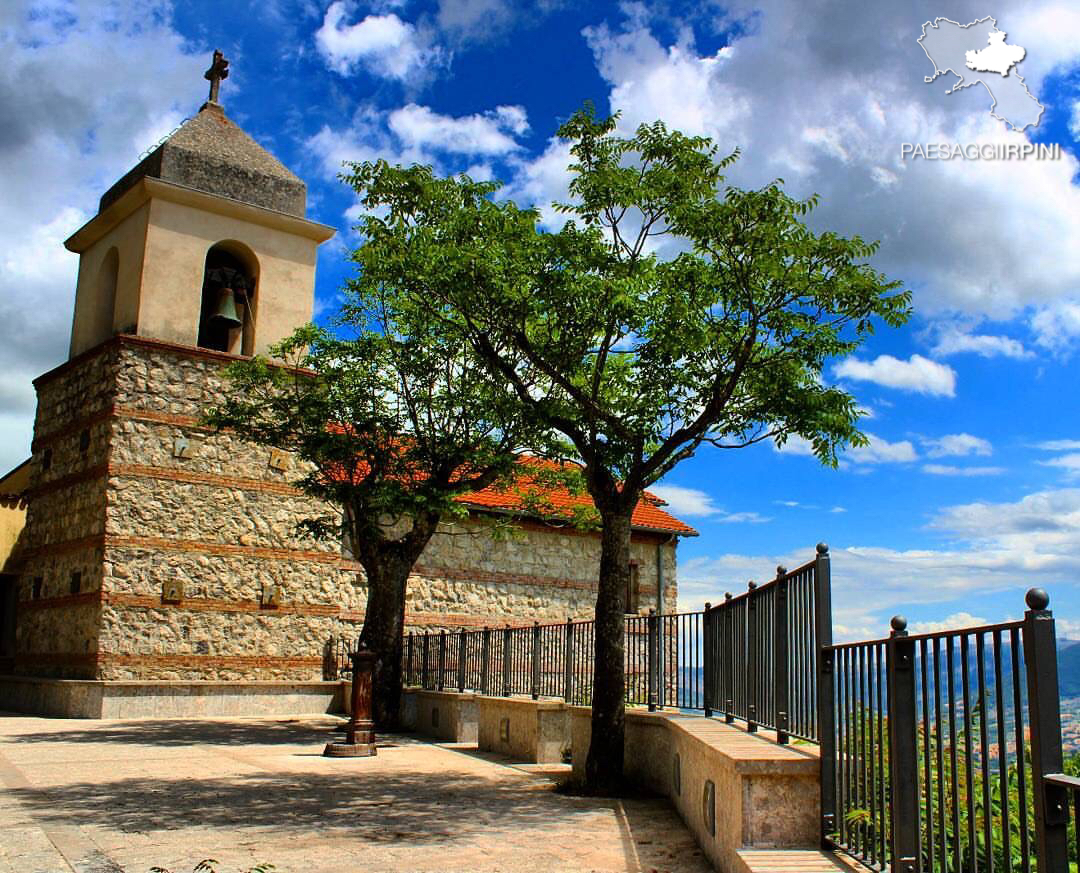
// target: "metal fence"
[[946, 752], [761, 651], [940, 752], [751, 657]]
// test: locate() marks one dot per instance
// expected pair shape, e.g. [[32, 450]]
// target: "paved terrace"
[[106, 796]]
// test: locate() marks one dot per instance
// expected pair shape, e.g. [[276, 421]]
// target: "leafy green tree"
[[671, 311], [392, 422]]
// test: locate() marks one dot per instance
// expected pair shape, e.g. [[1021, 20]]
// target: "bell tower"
[[204, 243], [155, 548]]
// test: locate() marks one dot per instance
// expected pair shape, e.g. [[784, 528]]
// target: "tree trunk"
[[384, 624], [604, 764], [388, 563]]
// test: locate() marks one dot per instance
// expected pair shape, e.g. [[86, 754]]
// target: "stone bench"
[[735, 790], [534, 731]]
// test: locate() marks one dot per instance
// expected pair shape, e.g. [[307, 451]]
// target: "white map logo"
[[977, 53]]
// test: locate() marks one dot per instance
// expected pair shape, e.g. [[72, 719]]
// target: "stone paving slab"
[[107, 796]]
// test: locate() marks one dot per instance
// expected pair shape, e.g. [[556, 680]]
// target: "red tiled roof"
[[647, 514]]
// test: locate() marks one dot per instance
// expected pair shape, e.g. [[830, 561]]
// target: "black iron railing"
[[940, 752], [946, 751], [752, 657], [662, 653], [761, 651]]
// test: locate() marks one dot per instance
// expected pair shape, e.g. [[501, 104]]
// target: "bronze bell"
[[225, 313]]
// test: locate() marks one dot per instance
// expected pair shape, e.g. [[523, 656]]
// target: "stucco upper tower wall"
[[207, 185]]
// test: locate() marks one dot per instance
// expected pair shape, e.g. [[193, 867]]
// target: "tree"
[[671, 311], [393, 422]]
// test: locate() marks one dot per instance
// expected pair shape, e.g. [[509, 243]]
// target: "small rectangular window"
[[36, 586], [76, 581], [46, 460], [84, 441]]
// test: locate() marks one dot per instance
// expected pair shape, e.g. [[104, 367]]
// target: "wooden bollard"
[[360, 729]]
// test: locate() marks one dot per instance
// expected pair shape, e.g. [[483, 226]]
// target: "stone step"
[[796, 861]]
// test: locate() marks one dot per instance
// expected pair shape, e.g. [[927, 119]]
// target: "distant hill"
[[1069, 669]]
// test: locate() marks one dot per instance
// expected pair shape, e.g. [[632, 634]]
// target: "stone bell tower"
[[204, 243], [156, 551]]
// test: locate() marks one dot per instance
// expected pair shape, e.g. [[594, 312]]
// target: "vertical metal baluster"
[[507, 655], [753, 648], [568, 663], [839, 758], [940, 737], [876, 776], [860, 739], [969, 754], [927, 852], [485, 662], [534, 688], [1003, 755], [882, 733], [984, 752], [953, 759], [1021, 766], [462, 661], [708, 666]]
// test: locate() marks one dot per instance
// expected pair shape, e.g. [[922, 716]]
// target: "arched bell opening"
[[227, 317]]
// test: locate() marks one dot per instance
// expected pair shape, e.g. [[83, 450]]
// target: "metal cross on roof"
[[219, 70]]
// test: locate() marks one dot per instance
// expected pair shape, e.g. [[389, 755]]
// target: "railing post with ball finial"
[[826, 690], [1044, 713], [903, 748]]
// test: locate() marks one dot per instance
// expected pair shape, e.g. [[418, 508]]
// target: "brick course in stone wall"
[[126, 506]]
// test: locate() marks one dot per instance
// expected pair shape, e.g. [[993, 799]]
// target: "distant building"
[[159, 565]]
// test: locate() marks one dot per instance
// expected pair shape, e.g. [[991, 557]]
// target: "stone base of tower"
[[79, 698]]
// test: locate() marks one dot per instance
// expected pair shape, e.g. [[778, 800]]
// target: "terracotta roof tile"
[[647, 514]]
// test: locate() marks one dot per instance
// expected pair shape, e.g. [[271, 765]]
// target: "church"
[[152, 567]]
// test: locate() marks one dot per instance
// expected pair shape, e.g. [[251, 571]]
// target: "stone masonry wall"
[[162, 502], [58, 556]]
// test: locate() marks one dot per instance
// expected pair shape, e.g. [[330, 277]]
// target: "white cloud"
[[1058, 445], [917, 374], [383, 44], [417, 134], [1057, 325], [542, 181], [744, 518], [795, 445], [686, 501], [953, 341], [825, 102], [955, 621], [694, 503], [72, 126], [490, 133], [1070, 463], [485, 20], [950, 470], [881, 451], [1074, 120], [957, 445], [992, 547]]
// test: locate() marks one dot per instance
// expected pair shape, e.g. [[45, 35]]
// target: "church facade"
[[160, 563]]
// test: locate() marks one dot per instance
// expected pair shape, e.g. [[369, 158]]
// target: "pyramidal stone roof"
[[211, 153]]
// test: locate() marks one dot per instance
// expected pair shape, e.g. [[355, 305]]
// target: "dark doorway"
[[9, 601]]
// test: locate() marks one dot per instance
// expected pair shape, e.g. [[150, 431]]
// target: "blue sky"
[[970, 490]]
